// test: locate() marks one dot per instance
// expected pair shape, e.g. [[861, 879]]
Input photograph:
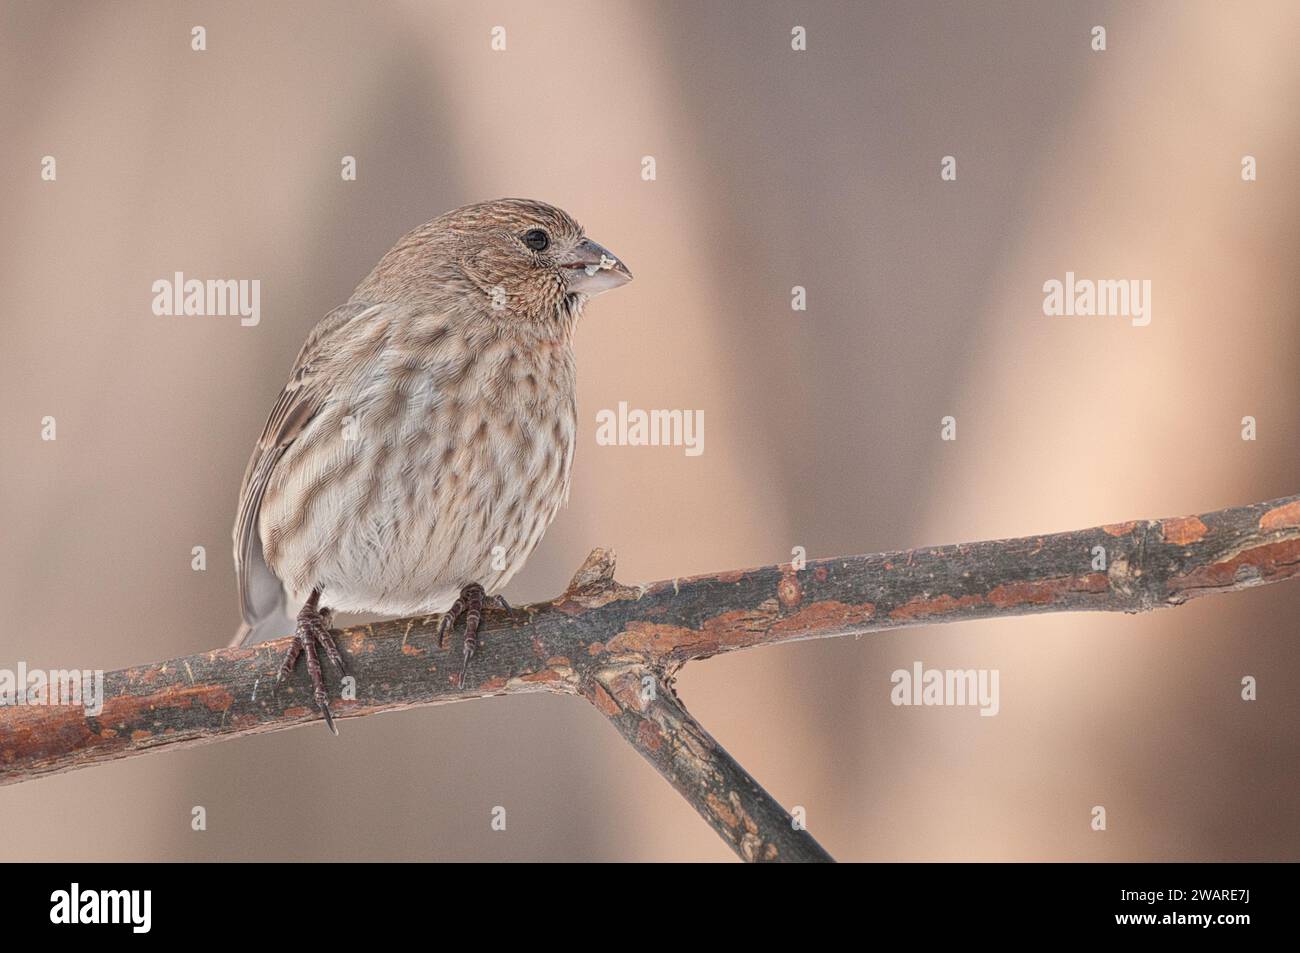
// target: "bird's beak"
[[591, 269]]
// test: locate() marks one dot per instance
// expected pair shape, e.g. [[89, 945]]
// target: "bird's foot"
[[469, 605], [314, 627]]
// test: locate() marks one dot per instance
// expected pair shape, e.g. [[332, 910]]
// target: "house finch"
[[424, 441]]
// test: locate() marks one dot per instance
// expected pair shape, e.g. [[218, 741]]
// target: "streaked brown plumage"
[[424, 441]]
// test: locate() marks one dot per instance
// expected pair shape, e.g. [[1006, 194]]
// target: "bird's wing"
[[261, 594]]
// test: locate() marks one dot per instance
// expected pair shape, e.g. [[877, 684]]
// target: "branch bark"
[[647, 713], [601, 640]]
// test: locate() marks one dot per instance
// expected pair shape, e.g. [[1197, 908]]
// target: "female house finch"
[[424, 440]]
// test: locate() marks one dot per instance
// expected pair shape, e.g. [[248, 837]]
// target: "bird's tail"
[[274, 625]]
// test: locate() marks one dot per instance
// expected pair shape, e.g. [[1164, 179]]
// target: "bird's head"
[[522, 259]]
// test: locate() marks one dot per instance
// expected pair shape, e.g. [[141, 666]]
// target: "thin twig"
[[600, 634]]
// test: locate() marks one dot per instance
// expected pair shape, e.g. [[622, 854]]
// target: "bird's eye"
[[536, 239]]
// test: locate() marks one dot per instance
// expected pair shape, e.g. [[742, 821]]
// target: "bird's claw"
[[471, 646], [314, 627], [470, 605]]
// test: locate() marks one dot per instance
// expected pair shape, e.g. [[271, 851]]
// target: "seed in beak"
[[604, 263]]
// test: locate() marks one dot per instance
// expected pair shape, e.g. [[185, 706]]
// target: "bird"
[[424, 441]]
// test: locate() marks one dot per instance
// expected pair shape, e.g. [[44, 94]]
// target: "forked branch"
[[621, 646]]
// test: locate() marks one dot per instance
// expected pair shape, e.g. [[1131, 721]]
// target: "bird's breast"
[[458, 467]]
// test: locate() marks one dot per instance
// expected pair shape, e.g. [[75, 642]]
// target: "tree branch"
[[648, 714], [601, 639]]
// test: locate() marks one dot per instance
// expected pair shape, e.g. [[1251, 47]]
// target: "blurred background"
[[774, 168]]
